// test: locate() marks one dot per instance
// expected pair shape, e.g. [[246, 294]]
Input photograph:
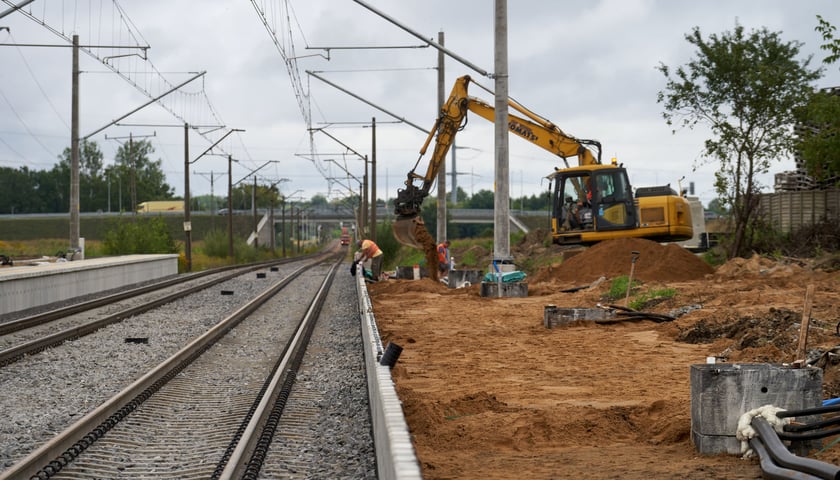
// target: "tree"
[[745, 88], [819, 139], [716, 206], [92, 185], [19, 191], [481, 199], [318, 200], [143, 177]]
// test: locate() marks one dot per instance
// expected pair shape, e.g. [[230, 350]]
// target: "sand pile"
[[612, 258]]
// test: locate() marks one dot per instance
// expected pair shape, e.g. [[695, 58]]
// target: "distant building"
[[798, 180], [161, 206]]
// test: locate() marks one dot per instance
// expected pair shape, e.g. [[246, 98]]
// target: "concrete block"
[[562, 317], [407, 272], [509, 289], [503, 267], [721, 393], [464, 278]]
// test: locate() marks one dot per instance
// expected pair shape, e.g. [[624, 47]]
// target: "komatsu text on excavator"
[[590, 202]]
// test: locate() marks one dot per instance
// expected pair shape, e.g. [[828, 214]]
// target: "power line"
[[25, 126], [35, 79]]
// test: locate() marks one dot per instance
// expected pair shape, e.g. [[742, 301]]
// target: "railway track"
[[201, 413], [34, 333]]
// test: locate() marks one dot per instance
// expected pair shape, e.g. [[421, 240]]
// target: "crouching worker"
[[368, 250]]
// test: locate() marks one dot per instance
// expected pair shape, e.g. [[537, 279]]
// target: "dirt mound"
[[612, 258], [756, 265]]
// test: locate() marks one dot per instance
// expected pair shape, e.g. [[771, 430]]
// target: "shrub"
[[215, 244], [127, 236], [386, 241]]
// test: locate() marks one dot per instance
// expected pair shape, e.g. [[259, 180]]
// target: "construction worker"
[[368, 250], [443, 259]]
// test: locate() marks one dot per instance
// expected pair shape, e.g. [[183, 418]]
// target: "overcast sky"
[[590, 67]]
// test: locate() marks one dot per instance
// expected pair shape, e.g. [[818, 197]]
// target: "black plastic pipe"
[[812, 426], [784, 458], [809, 435], [771, 471], [808, 411]]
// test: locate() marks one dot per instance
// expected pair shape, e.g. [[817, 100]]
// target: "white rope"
[[745, 431]]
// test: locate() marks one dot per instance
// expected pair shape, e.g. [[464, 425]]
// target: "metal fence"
[[791, 210]]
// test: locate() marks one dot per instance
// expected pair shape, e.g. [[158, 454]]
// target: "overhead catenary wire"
[[138, 71], [38, 84]]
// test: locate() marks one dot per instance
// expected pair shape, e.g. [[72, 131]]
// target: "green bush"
[[135, 235], [386, 241], [215, 244], [244, 253]]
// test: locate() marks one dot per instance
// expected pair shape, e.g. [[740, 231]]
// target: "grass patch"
[[638, 301], [618, 288], [651, 298]]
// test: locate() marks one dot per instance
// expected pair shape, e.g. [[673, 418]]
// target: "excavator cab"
[[590, 199]]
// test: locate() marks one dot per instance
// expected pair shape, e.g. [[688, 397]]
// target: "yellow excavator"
[[591, 202]]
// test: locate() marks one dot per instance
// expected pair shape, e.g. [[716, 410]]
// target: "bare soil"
[[490, 393]]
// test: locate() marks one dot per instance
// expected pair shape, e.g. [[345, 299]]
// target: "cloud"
[[587, 66]]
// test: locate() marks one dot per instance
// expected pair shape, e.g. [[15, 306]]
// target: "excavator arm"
[[409, 227]]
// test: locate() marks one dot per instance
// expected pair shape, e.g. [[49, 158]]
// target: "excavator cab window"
[[576, 209], [613, 200]]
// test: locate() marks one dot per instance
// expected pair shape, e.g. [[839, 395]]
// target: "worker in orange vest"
[[368, 250], [443, 259]]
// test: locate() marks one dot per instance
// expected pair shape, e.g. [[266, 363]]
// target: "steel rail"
[[13, 354], [246, 459], [67, 445], [38, 319]]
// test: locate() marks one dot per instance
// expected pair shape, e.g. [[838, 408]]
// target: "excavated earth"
[[489, 392]]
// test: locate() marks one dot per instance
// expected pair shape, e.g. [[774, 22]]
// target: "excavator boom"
[[590, 202], [408, 227]]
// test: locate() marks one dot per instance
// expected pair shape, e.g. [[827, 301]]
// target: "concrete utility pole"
[[454, 171], [501, 217], [441, 176], [230, 206], [256, 219], [187, 221], [74, 149], [373, 179], [365, 203]]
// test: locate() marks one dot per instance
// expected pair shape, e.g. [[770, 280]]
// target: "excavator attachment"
[[405, 231], [409, 228], [411, 231]]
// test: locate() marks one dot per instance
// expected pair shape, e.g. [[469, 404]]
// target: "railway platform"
[[30, 286]]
